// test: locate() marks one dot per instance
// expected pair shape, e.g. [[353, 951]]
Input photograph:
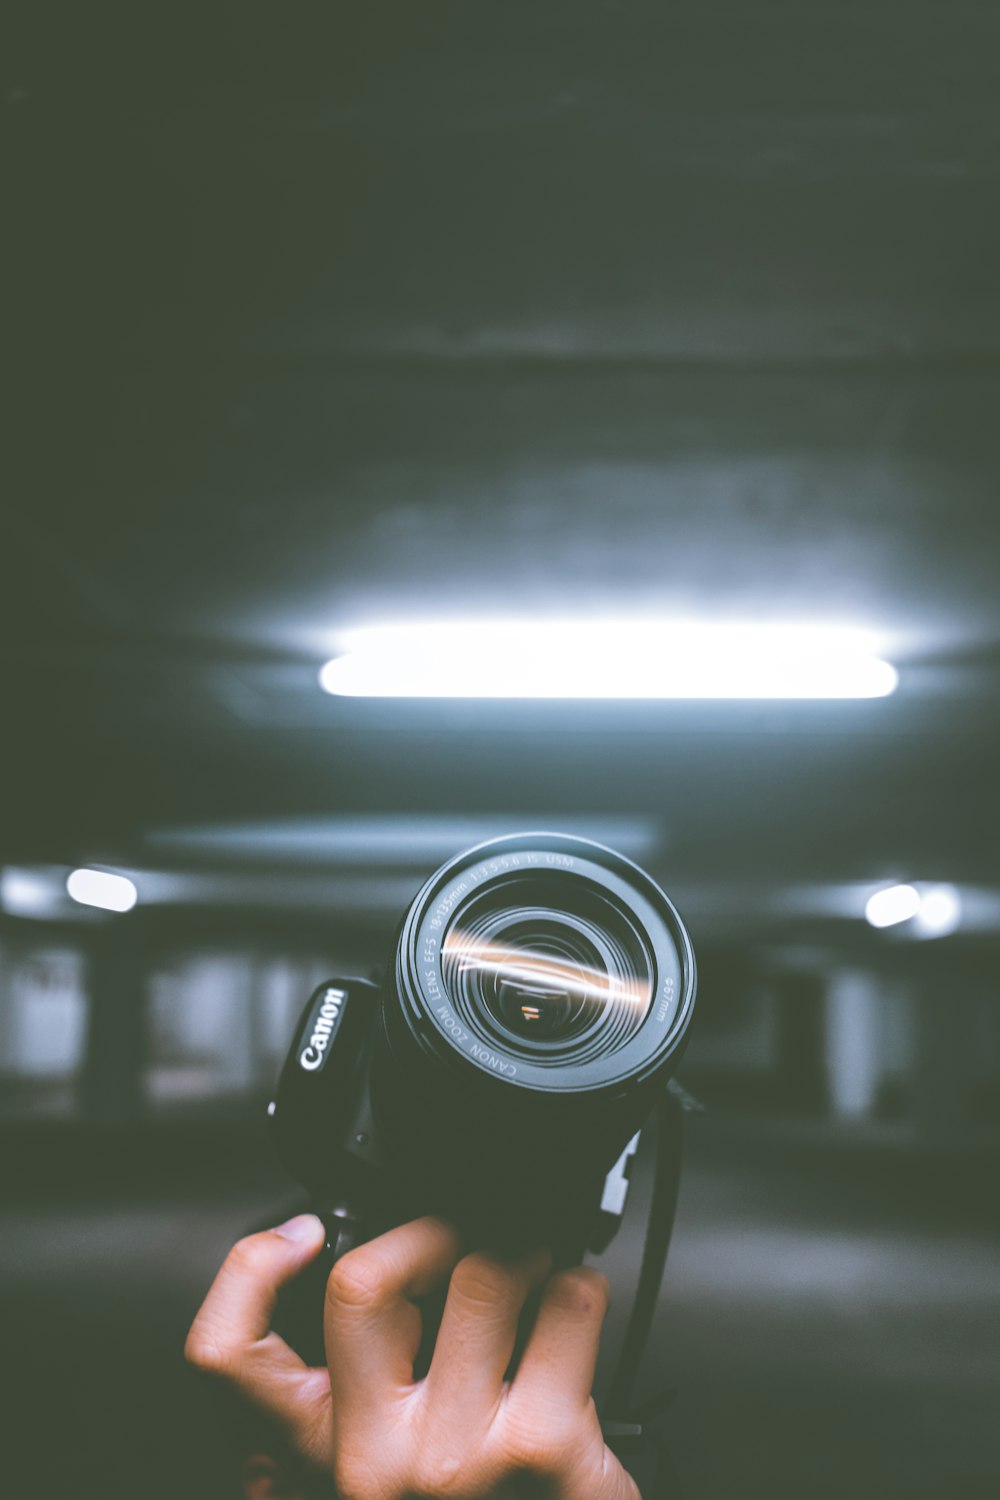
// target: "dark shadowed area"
[[321, 318]]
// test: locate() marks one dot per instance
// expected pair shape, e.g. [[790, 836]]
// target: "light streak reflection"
[[541, 973]]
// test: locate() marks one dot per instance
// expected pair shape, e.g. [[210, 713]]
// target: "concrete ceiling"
[[322, 317]]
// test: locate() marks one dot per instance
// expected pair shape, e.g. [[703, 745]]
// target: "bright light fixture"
[[935, 910], [940, 911], [100, 888], [607, 659], [32, 891], [897, 903]]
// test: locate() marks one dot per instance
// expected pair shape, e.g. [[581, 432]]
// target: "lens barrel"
[[541, 994]]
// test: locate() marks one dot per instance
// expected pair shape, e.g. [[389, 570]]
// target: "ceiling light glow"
[[897, 903], [32, 891], [932, 910], [940, 911], [607, 659], [387, 838], [101, 888]]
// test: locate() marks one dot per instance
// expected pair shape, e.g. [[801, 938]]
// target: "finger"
[[556, 1371], [231, 1335], [477, 1335], [371, 1325]]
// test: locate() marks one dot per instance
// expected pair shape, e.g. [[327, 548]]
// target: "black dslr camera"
[[510, 1071]]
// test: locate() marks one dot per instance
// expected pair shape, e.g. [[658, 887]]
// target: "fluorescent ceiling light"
[[897, 903], [99, 888], [607, 659]]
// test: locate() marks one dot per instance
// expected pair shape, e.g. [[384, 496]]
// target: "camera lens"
[[541, 993], [548, 966], [543, 963]]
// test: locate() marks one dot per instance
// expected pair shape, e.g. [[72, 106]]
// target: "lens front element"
[[549, 966], [548, 962]]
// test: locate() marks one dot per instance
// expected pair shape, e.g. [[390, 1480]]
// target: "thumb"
[[232, 1337], [240, 1303]]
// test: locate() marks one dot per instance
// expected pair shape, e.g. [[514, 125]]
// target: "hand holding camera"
[[464, 1430]]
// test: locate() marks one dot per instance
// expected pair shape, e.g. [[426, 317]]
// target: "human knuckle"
[[354, 1485], [204, 1350], [357, 1280], [356, 1477], [538, 1455], [442, 1474], [482, 1279], [247, 1257], [538, 1447], [582, 1291]]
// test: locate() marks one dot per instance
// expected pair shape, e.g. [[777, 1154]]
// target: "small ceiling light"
[[32, 891], [607, 659], [100, 888], [940, 911], [898, 903]]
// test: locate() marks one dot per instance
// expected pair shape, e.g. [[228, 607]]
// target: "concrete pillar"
[[853, 1043]]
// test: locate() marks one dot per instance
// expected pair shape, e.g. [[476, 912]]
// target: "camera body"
[[538, 997]]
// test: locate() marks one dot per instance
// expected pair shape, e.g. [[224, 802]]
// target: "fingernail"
[[302, 1227]]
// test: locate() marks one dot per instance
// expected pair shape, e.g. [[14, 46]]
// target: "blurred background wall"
[[322, 318]]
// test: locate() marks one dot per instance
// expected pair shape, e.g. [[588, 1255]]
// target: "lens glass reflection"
[[549, 965]]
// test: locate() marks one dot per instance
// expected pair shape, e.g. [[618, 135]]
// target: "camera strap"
[[634, 1262]]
